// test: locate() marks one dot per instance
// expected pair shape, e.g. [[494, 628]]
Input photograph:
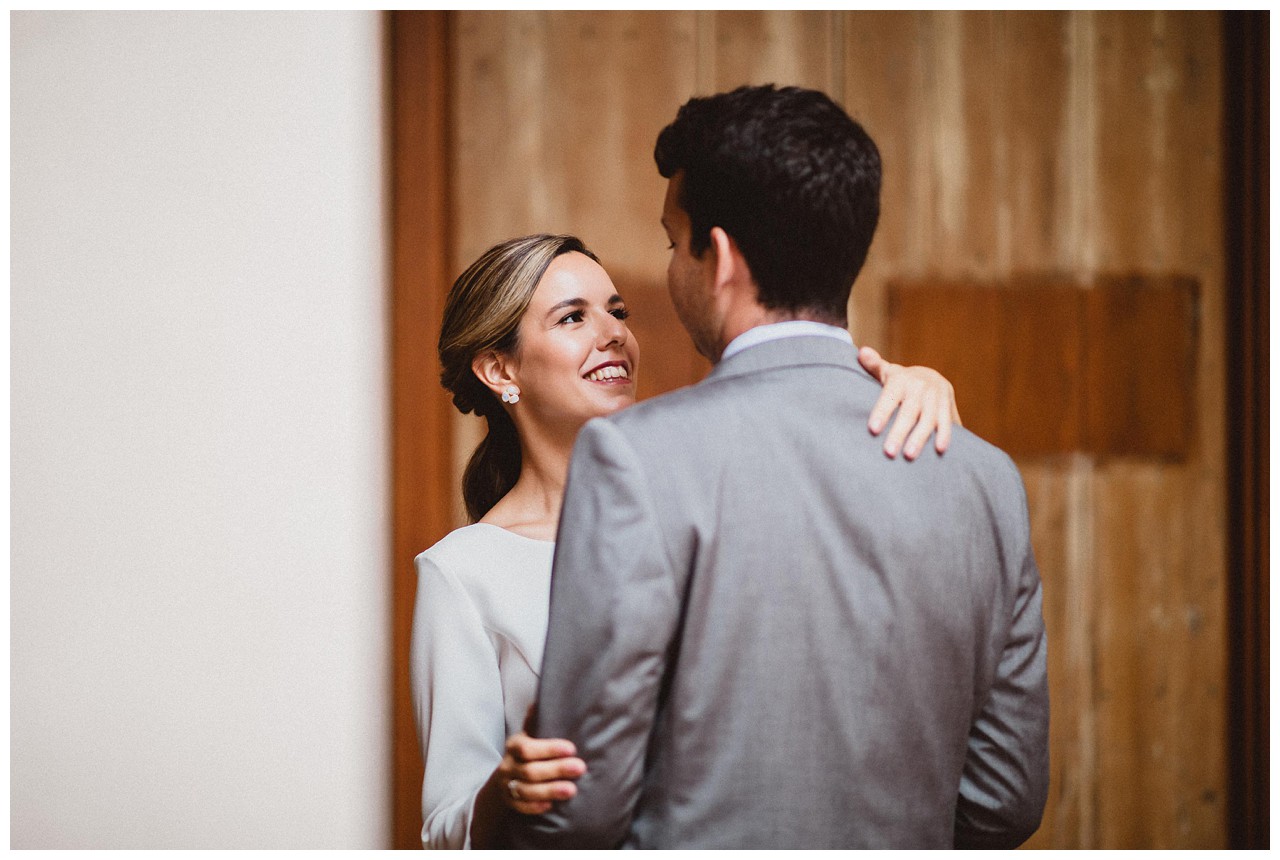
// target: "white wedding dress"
[[479, 626]]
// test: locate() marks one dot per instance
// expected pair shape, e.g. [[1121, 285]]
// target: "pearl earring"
[[511, 394]]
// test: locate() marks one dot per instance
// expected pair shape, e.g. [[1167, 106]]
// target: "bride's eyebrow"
[[567, 303]]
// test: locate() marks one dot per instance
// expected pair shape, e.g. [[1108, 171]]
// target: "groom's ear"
[[493, 369], [730, 265]]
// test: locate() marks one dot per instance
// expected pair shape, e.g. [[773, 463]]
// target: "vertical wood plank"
[[883, 90], [1162, 607], [1015, 80], [1054, 495], [783, 48], [601, 127], [1073, 253], [421, 443], [1030, 85], [1033, 173], [556, 137]]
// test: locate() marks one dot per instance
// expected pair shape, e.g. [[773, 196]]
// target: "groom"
[[763, 632]]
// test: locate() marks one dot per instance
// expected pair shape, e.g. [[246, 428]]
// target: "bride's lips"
[[609, 373]]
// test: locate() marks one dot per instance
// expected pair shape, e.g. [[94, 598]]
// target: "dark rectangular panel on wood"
[[1011, 353], [1140, 353], [1042, 366]]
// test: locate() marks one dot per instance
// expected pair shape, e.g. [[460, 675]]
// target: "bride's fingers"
[[943, 440], [908, 414], [544, 792], [551, 769], [924, 426], [517, 797], [890, 396], [521, 747], [873, 363]]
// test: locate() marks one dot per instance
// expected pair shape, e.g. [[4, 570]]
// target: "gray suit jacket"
[[764, 633]]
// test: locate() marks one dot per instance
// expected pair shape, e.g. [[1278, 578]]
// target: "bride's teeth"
[[613, 371]]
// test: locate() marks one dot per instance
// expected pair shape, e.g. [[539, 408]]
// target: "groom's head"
[[792, 181]]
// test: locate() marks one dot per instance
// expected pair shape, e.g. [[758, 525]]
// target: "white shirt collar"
[[788, 328]]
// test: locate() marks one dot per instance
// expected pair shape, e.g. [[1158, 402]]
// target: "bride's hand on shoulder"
[[534, 772], [924, 399]]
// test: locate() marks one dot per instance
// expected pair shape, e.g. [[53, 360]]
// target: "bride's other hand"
[[534, 772], [924, 399]]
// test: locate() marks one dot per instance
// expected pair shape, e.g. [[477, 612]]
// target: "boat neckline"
[[515, 534]]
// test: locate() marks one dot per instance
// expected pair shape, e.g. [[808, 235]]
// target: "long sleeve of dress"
[[457, 695]]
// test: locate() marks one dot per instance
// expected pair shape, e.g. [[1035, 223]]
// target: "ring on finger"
[[511, 790]]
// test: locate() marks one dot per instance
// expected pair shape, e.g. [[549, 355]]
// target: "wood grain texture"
[[783, 48], [1017, 147], [1065, 145], [422, 446], [883, 85], [562, 111], [1161, 530]]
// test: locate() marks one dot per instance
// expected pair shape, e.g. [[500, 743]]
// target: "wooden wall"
[[422, 446], [1017, 147]]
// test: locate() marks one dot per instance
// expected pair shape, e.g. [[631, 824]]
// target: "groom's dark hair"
[[791, 177]]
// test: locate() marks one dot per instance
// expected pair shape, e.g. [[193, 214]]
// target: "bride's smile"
[[575, 358]]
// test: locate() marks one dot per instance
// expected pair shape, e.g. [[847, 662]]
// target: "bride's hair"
[[482, 314]]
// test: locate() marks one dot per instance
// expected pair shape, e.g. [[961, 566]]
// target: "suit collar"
[[789, 352]]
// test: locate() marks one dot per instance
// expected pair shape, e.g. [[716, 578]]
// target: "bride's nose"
[[613, 332]]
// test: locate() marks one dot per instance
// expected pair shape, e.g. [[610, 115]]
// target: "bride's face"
[[576, 359]]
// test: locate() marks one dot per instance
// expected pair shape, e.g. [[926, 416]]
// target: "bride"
[[535, 340]]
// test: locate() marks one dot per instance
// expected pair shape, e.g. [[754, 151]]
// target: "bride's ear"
[[493, 370]]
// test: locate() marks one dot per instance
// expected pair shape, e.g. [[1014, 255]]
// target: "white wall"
[[199, 437]]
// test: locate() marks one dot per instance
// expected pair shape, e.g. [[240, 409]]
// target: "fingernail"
[[911, 452]]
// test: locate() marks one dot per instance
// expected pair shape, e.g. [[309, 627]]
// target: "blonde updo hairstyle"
[[482, 314]]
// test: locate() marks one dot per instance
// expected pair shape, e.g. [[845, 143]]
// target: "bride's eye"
[[621, 313], [574, 317]]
